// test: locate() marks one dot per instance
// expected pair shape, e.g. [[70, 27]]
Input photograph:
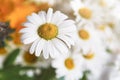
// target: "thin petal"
[[33, 20], [39, 47], [58, 18], [49, 14], [72, 28], [37, 19], [42, 15], [46, 50], [54, 52], [67, 40], [25, 36], [28, 24], [33, 47], [26, 30], [66, 23], [29, 40], [60, 46]]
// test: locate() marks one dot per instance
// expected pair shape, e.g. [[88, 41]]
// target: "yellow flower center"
[[89, 56], [102, 27], [85, 13], [84, 34], [48, 31], [111, 25], [29, 58], [69, 63], [102, 3]]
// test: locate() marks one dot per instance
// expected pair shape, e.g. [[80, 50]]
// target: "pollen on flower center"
[[85, 13], [48, 31], [69, 63], [29, 58], [102, 27], [84, 34], [89, 56]]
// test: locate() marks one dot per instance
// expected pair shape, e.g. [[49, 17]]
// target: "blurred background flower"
[[95, 29]]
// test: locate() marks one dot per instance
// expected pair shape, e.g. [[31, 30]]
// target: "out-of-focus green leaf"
[[85, 75], [108, 50], [11, 58], [13, 73], [47, 74]]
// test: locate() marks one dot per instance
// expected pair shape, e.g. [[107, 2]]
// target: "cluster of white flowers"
[[89, 42]]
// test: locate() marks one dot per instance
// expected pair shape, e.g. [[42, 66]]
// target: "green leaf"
[[85, 75], [47, 74], [13, 73], [108, 50], [11, 58]]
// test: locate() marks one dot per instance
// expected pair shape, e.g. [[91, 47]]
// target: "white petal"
[[58, 18], [49, 14], [28, 24], [51, 50], [25, 36], [29, 40], [67, 40], [33, 47], [66, 23], [46, 50], [60, 46], [72, 28], [39, 47], [33, 20], [54, 53], [27, 30], [42, 15], [37, 18]]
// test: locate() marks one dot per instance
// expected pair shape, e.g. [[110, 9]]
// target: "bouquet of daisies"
[[60, 40]]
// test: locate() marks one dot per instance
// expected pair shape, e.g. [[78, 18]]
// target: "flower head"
[[50, 33], [70, 67]]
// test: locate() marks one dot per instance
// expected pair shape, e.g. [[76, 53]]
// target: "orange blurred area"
[[16, 11], [7, 6]]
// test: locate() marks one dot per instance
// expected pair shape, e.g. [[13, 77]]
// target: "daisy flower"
[[27, 59], [48, 33], [87, 12], [109, 3], [113, 71], [69, 67], [108, 38], [87, 38], [95, 62]]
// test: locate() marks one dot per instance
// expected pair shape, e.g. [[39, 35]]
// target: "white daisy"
[[69, 67], [50, 33], [94, 62], [116, 11], [109, 3], [108, 38], [27, 59], [88, 38], [113, 71], [87, 12]]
